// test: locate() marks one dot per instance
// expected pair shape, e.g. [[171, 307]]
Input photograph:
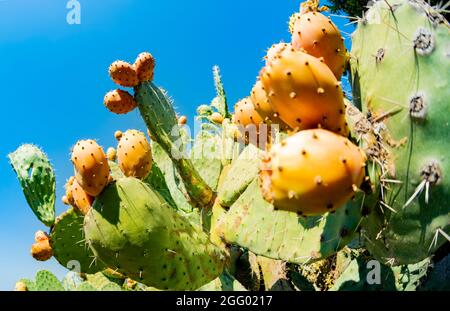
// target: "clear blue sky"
[[53, 77]]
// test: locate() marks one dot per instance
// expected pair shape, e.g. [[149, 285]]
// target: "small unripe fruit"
[[91, 166], [312, 172], [119, 102], [111, 153], [145, 66], [123, 74], [134, 154], [182, 120], [216, 118], [118, 135]]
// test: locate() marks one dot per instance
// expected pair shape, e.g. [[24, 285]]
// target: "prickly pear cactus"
[[133, 230], [400, 63], [69, 245], [37, 178]]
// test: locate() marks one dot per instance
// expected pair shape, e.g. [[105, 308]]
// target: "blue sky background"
[[53, 77]]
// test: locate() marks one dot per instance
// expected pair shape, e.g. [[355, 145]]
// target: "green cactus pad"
[[46, 281], [101, 282], [170, 178], [69, 246], [86, 287], [400, 64], [158, 114], [206, 157], [71, 281], [354, 270], [254, 224], [241, 173], [132, 229], [274, 274], [37, 178], [225, 282], [116, 172]]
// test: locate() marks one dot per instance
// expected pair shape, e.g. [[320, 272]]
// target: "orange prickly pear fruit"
[[123, 74], [216, 118], [182, 120], [262, 105], [145, 66], [111, 153], [318, 36], [80, 200], [245, 114], [91, 166], [119, 102], [41, 250], [312, 172], [303, 91], [134, 154], [251, 124]]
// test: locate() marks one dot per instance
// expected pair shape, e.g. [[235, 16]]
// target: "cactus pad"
[[69, 246], [37, 179], [132, 229]]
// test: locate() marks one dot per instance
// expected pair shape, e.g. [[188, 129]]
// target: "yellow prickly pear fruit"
[[303, 91], [81, 201], [318, 36], [262, 105], [216, 118], [41, 250], [182, 120], [312, 172], [145, 66], [134, 154], [123, 74], [111, 153], [91, 167], [118, 135], [119, 102]]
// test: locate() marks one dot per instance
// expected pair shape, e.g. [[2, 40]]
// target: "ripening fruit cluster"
[[128, 75], [317, 168], [133, 155]]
